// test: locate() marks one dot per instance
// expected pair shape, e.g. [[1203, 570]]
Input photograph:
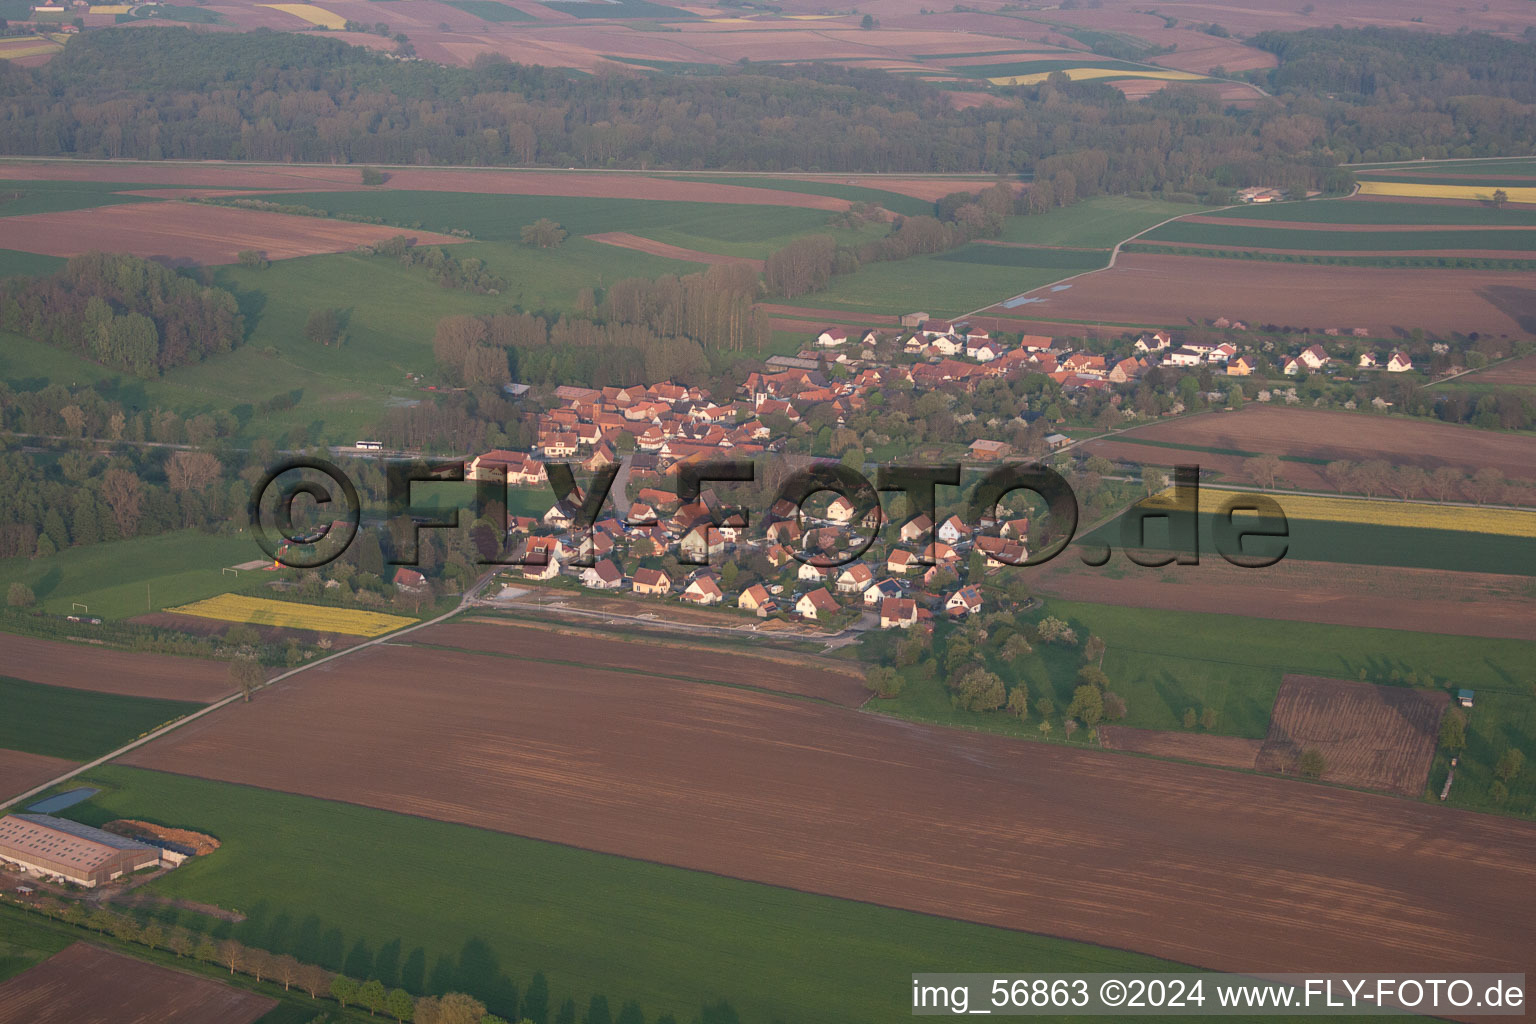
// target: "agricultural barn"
[[79, 853]]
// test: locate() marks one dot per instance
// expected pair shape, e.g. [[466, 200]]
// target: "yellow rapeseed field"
[[1419, 515], [312, 14], [1084, 74], [1418, 190], [111, 8], [261, 611]]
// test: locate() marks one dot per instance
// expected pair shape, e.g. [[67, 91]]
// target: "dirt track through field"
[[19, 771], [86, 984], [1198, 865], [625, 240], [108, 670], [788, 675], [209, 235]]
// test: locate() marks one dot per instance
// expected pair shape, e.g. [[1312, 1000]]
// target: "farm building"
[[77, 853], [1464, 698]]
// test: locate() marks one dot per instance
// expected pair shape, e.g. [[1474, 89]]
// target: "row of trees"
[[641, 331], [124, 312], [534, 1006]]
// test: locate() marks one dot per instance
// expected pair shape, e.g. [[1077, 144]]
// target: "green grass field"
[[1027, 256], [731, 230], [18, 198], [25, 943], [907, 206], [124, 578], [1253, 234], [77, 725], [944, 288], [433, 905], [1163, 662], [1380, 211], [490, 10], [1314, 540], [1095, 223], [26, 264]]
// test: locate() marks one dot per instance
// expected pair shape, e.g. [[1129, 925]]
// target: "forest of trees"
[[170, 93], [642, 331], [124, 312]]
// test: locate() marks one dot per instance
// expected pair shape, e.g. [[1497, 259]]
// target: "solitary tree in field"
[[1208, 719], [247, 675], [325, 326], [373, 176], [543, 234], [1312, 764], [1153, 480], [867, 22], [1500, 197], [19, 595]]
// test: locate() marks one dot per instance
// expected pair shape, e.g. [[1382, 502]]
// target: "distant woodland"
[[1341, 95]]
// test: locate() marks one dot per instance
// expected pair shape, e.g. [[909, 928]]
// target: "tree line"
[[124, 312], [639, 331], [287, 97], [533, 1006]]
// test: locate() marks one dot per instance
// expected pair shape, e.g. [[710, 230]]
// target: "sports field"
[[262, 611], [131, 577]]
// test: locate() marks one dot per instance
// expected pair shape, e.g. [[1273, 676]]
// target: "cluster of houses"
[[905, 589], [1315, 358]]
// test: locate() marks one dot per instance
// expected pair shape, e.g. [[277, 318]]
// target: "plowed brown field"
[[1162, 290], [107, 670], [1222, 751], [208, 235], [19, 772], [1328, 434], [795, 676], [86, 984], [1378, 737], [1198, 865], [1332, 593]]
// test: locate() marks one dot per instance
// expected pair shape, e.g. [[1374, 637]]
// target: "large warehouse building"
[[69, 850]]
